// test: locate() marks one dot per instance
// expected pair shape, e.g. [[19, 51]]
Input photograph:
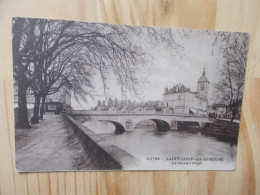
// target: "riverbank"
[[222, 130], [107, 156], [50, 146]]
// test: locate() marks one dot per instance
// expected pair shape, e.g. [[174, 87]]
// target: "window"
[[202, 87]]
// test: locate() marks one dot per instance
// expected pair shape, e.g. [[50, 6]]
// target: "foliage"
[[229, 89], [50, 53]]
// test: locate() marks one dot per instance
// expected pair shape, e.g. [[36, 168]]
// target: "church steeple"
[[202, 85]]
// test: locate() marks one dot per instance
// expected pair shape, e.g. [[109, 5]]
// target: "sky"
[[168, 70]]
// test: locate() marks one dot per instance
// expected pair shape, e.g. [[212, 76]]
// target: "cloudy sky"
[[168, 70]]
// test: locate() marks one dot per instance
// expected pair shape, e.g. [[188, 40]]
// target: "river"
[[171, 150]]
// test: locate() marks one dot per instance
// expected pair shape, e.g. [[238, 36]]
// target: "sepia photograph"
[[99, 96]]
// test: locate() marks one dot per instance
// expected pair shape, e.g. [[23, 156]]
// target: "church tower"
[[203, 86]]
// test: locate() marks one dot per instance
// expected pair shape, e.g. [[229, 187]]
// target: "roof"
[[199, 97], [137, 106], [125, 107], [203, 77], [179, 88], [150, 108], [153, 103]]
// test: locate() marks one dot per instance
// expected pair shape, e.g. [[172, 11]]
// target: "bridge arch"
[[119, 127], [161, 125]]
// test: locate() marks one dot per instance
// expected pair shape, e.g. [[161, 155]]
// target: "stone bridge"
[[127, 121]]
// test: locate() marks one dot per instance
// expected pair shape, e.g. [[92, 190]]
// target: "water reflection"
[[146, 142]]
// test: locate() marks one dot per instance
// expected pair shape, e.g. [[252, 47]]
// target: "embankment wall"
[[105, 155]]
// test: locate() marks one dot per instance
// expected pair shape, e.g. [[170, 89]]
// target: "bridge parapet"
[[114, 112]]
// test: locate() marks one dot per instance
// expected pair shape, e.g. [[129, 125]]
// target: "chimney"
[[166, 90]]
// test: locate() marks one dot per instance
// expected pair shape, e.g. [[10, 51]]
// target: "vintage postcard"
[[94, 96]]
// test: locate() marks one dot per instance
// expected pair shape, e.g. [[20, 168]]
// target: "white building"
[[180, 99], [59, 100], [220, 110], [112, 108]]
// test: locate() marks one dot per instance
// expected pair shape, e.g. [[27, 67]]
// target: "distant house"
[[138, 108], [228, 114], [125, 109], [160, 104], [181, 99], [220, 110], [112, 108], [59, 100], [100, 108], [153, 103], [149, 108]]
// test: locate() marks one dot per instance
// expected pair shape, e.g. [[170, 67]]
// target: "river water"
[[172, 150]]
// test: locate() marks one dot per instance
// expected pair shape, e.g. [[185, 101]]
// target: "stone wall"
[[223, 131], [192, 127], [105, 155]]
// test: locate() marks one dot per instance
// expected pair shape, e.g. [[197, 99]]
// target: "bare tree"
[[110, 102], [31, 54], [50, 51], [22, 65], [65, 69], [99, 103], [229, 89], [116, 102]]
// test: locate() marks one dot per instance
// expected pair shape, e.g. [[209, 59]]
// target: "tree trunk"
[[234, 113], [36, 109], [22, 113], [42, 108], [232, 118], [22, 107]]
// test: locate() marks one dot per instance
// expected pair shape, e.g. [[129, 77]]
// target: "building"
[[59, 100], [113, 108], [138, 108], [180, 99], [220, 110], [125, 109], [203, 86]]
